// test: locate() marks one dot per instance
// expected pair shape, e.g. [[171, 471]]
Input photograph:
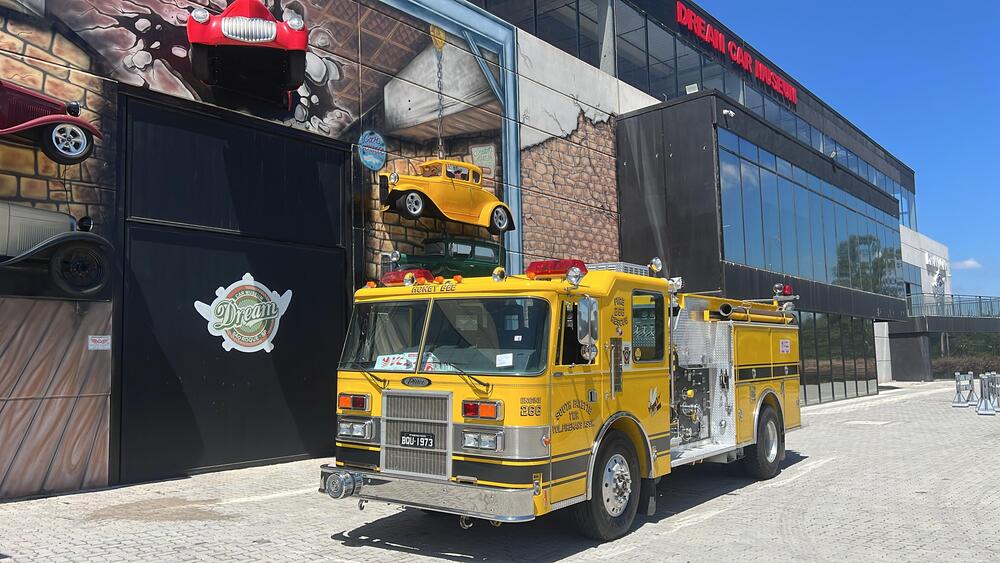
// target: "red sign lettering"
[[690, 20]]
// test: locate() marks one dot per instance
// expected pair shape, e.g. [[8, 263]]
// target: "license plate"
[[416, 440]]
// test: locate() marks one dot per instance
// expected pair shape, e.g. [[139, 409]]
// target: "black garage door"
[[234, 301]]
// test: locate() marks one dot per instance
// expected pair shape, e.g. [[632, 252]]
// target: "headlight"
[[73, 108], [199, 15], [295, 22], [353, 429], [574, 275], [482, 441], [393, 178]]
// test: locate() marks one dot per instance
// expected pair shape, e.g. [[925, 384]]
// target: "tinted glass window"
[[734, 86], [784, 168], [630, 27], [385, 336], [772, 111], [807, 350], [830, 241], [748, 150], [688, 68], [592, 15], [648, 324], [662, 63], [711, 75], [766, 159], [803, 131], [803, 230], [556, 23], [787, 121], [786, 203], [823, 357], [752, 220], [729, 140], [486, 253], [732, 207], [754, 100], [517, 12], [816, 233], [772, 220]]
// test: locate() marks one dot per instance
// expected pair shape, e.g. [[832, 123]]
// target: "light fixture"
[[655, 265], [199, 15]]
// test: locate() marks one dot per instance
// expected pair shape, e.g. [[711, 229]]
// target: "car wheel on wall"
[[500, 221], [411, 205], [79, 268], [67, 143]]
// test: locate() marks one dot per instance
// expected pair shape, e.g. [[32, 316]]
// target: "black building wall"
[[668, 185]]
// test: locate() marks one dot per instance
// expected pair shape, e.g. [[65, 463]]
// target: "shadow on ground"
[[549, 538]]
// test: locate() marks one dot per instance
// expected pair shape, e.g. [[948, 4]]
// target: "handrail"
[[952, 305]]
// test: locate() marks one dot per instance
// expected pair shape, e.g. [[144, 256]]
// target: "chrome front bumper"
[[502, 505]]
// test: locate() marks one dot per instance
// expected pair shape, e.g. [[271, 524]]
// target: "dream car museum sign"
[[245, 314]]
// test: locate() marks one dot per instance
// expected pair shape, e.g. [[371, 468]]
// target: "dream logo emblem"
[[246, 315]]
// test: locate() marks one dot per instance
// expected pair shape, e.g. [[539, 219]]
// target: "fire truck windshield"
[[483, 336]]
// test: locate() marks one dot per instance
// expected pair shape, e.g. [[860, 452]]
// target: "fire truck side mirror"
[[586, 321]]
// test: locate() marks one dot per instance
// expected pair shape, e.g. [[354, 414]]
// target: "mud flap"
[[647, 497]]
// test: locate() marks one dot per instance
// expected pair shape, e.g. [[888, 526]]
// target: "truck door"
[[576, 397], [639, 382]]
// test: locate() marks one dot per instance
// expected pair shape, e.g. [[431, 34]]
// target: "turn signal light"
[[553, 268], [398, 277], [353, 402], [492, 410]]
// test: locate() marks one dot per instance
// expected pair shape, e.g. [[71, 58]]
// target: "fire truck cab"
[[573, 386]]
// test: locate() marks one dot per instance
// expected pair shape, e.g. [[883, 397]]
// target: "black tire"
[[500, 221], [593, 518], [763, 459], [67, 143], [201, 63], [79, 268], [412, 205]]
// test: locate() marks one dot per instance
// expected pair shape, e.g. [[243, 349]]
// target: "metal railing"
[[933, 305]]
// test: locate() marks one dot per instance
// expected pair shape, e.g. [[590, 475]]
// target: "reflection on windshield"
[[385, 336], [487, 336]]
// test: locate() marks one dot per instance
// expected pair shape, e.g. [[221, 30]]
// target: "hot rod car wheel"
[[411, 205], [500, 221], [79, 268], [614, 497], [67, 143]]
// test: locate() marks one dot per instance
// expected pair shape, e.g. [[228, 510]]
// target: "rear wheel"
[[763, 458], [615, 487], [500, 221], [79, 268]]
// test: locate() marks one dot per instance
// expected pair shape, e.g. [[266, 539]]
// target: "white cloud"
[[967, 264]]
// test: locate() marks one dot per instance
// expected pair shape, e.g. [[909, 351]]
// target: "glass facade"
[[655, 60], [778, 217], [838, 357]]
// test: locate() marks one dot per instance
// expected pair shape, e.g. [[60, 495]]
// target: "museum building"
[[186, 208]]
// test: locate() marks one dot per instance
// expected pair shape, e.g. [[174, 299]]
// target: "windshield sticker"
[[245, 314], [505, 360], [405, 361], [517, 338]]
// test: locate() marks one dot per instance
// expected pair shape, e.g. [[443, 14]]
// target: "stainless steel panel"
[[249, 30], [425, 412]]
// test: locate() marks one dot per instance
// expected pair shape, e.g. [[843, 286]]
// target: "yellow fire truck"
[[573, 386]]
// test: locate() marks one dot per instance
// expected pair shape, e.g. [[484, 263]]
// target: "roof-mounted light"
[[783, 289], [406, 277], [499, 274], [547, 269]]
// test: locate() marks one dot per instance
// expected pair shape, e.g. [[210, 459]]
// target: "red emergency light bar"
[[553, 268], [398, 277], [783, 289]]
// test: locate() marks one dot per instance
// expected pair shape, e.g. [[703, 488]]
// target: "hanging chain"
[[438, 37]]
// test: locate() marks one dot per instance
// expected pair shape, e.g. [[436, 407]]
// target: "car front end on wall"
[[246, 44], [54, 125]]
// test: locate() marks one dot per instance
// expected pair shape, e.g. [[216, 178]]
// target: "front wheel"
[[500, 221], [67, 143], [615, 487], [411, 205], [763, 458]]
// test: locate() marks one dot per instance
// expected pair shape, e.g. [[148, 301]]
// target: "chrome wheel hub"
[[69, 139], [616, 485], [500, 218], [771, 441], [414, 203]]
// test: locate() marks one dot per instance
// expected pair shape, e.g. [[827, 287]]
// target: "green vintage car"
[[449, 257]]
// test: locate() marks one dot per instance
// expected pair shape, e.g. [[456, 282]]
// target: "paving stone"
[[918, 487]]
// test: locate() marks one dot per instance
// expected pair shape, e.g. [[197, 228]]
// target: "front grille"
[[249, 30], [423, 413]]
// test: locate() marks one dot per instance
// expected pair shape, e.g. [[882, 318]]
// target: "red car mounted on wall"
[[52, 124], [246, 45]]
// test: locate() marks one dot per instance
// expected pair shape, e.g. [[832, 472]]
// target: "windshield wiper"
[[480, 382]]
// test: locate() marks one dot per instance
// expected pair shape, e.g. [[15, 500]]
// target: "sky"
[[921, 78]]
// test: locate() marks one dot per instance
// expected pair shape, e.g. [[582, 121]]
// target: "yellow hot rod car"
[[449, 189]]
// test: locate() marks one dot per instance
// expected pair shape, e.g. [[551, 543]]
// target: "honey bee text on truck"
[[574, 386]]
